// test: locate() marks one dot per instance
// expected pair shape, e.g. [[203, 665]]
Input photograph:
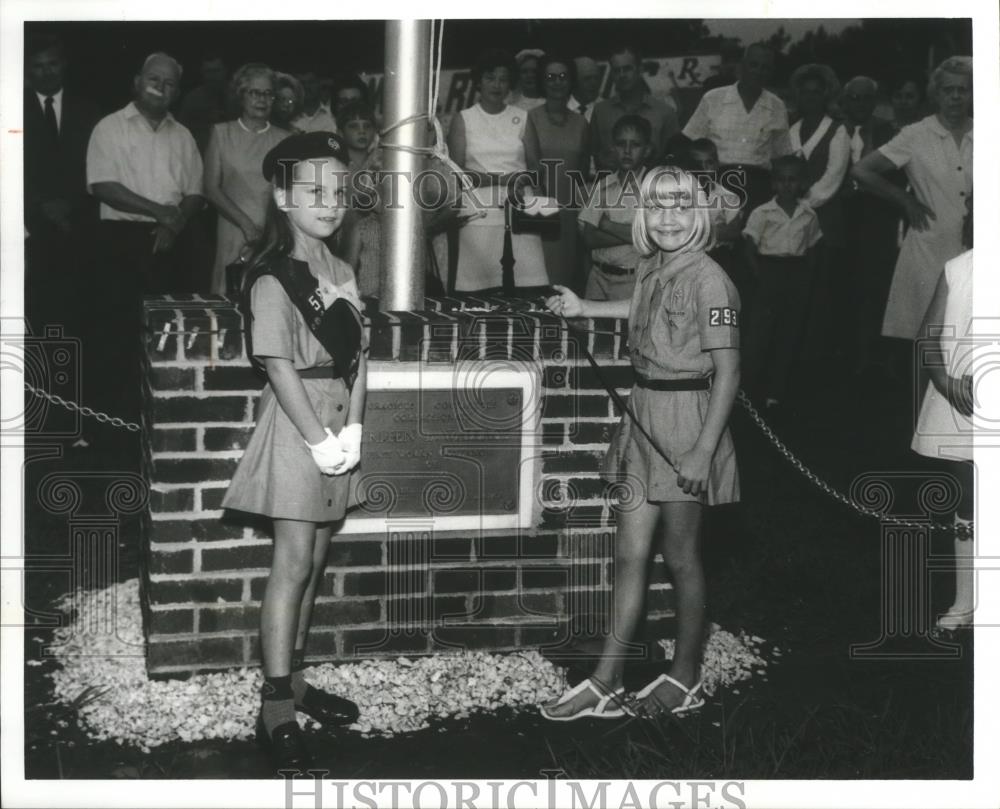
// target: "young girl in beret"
[[303, 326]]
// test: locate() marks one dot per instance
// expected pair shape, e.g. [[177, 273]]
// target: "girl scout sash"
[[337, 327]]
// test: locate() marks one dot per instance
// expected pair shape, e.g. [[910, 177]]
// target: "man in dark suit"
[[872, 224], [59, 214]]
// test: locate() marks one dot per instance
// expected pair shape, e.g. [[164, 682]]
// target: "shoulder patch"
[[723, 316]]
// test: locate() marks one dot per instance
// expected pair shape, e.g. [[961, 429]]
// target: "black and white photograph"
[[459, 407]]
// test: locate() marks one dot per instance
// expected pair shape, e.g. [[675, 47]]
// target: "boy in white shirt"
[[780, 237]]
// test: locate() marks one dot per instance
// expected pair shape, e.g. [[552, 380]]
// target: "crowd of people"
[[173, 187]]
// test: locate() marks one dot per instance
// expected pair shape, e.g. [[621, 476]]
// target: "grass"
[[755, 740]]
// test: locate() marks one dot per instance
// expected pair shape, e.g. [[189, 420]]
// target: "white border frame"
[[416, 376]]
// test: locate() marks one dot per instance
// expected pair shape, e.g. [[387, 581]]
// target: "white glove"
[[328, 453], [350, 440]]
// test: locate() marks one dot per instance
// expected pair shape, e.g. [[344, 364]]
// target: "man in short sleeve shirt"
[[747, 123], [146, 171], [631, 97]]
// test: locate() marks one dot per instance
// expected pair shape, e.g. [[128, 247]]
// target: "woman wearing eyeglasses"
[[557, 144], [232, 179]]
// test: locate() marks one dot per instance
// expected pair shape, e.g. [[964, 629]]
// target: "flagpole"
[[407, 71]]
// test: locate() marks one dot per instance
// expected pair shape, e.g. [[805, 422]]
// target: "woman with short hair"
[[487, 141], [556, 144], [289, 98], [936, 155], [823, 143], [232, 179]]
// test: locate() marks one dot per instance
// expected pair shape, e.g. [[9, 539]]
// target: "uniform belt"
[[319, 372], [614, 269], [696, 383]]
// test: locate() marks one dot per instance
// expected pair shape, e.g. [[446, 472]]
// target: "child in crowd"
[[945, 426], [779, 237], [301, 307], [606, 220], [672, 452], [363, 228], [724, 204]]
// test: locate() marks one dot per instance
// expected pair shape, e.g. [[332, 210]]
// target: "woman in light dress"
[[487, 141], [232, 180]]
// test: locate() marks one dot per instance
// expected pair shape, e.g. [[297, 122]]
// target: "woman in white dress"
[[936, 155], [486, 140], [946, 423]]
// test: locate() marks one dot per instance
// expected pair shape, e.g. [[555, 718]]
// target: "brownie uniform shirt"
[[684, 306], [277, 476]]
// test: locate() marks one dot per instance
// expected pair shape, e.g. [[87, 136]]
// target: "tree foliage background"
[[105, 55]]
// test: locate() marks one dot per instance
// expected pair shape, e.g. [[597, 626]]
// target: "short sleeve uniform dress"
[[683, 306], [277, 476]]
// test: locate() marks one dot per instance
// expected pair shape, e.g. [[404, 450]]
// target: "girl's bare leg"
[[291, 569], [320, 549], [633, 541], [682, 554]]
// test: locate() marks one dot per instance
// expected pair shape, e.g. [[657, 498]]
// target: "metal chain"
[[83, 410], [961, 530]]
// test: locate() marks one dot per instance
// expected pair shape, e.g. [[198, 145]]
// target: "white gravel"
[[395, 696]]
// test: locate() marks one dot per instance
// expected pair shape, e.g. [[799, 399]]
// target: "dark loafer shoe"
[[328, 709], [285, 746]]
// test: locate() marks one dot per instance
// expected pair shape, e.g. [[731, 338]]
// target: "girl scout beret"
[[303, 146]]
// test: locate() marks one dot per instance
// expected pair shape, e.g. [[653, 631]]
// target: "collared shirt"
[[724, 208], [161, 164], [619, 201], [684, 305], [661, 116], [839, 156], [575, 105], [939, 170], [320, 121], [742, 138], [777, 234], [56, 105]]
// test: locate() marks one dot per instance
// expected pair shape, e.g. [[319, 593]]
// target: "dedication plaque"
[[454, 449]]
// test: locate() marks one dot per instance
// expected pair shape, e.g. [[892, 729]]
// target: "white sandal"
[[954, 619], [598, 711], [692, 701]]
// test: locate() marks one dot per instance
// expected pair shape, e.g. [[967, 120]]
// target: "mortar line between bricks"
[[217, 544], [201, 514], [213, 393], [174, 547], [570, 421], [175, 364], [208, 454], [190, 425]]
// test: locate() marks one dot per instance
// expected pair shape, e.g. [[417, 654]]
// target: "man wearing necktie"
[[58, 213], [871, 226]]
